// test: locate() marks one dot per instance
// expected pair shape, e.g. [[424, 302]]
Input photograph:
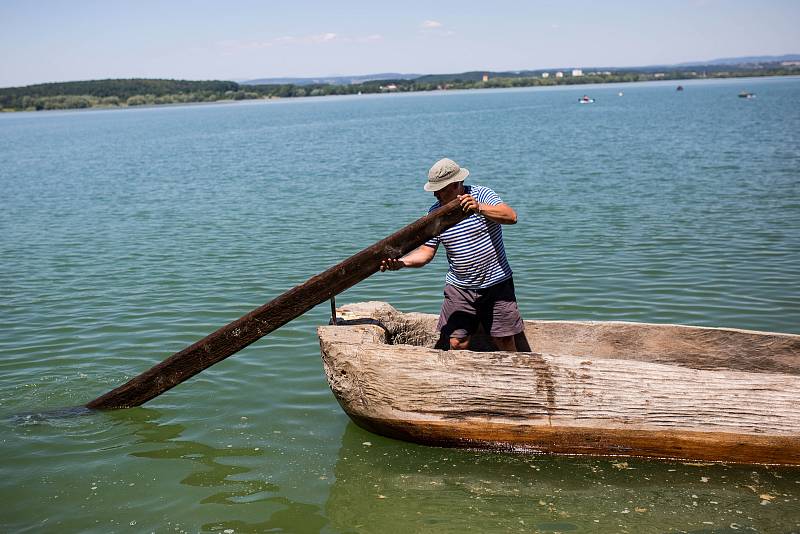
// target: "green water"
[[127, 235]]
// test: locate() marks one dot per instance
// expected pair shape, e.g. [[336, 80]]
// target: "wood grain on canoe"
[[652, 390]]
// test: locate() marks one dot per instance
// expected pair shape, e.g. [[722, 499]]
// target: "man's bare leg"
[[505, 343]]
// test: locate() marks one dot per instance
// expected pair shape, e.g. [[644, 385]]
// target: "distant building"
[[545, 75], [390, 88], [559, 74], [658, 75], [577, 72], [485, 77]]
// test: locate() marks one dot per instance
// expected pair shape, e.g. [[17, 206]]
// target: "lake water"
[[126, 235]]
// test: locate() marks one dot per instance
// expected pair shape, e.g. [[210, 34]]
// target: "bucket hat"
[[444, 172]]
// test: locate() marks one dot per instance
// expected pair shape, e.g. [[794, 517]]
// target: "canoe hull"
[[533, 438], [619, 404]]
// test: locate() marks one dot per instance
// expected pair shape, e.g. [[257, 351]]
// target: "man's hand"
[[500, 213], [468, 203], [392, 264], [416, 258]]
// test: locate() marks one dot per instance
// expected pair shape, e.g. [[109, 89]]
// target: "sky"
[[60, 40]]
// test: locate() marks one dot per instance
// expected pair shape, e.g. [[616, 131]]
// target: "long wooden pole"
[[258, 323]]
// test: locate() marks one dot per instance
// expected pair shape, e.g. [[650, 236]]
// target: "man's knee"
[[459, 343]]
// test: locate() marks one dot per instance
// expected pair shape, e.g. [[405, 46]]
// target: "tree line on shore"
[[138, 92]]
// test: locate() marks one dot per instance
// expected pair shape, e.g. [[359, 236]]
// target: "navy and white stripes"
[[474, 247]]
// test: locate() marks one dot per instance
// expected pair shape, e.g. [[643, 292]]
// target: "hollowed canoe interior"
[[686, 346]]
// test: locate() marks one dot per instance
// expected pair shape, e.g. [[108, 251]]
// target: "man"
[[478, 285]]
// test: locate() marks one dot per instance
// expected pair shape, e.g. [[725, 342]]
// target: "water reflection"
[[386, 485], [293, 517], [162, 441], [164, 437]]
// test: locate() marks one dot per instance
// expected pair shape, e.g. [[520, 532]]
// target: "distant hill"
[[122, 88], [745, 60], [117, 92], [139, 92], [476, 76], [332, 80]]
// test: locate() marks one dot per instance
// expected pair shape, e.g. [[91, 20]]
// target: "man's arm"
[[418, 257], [500, 213]]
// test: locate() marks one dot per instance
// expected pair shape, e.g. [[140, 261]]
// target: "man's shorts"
[[495, 307]]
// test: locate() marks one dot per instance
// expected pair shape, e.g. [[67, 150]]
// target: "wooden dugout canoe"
[[598, 388]]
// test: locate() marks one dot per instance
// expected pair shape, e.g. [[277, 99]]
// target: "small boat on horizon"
[[601, 388], [745, 94], [679, 88], [585, 100]]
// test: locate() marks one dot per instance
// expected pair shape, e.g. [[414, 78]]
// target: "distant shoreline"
[[198, 93]]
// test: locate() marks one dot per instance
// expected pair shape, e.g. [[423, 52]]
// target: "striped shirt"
[[475, 252]]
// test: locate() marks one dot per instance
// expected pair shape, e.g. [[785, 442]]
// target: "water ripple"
[[127, 235]]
